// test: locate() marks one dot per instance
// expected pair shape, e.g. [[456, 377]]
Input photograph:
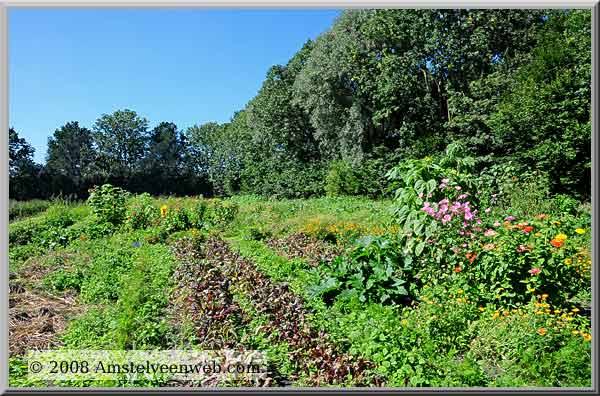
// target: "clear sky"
[[187, 66]]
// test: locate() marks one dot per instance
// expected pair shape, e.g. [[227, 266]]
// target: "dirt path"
[[302, 246]]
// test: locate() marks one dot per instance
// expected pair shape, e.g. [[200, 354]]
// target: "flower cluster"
[[446, 211], [558, 240]]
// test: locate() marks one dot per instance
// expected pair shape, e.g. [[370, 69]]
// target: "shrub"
[[341, 179], [23, 232], [198, 213], [174, 219], [530, 345], [220, 213], [141, 212], [513, 261], [108, 203]]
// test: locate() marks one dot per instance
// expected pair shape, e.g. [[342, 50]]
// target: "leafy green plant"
[[341, 179], [62, 280], [220, 212], [141, 212], [374, 270], [175, 219], [108, 203]]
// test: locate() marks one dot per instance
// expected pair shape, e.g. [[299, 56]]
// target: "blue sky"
[[187, 66]]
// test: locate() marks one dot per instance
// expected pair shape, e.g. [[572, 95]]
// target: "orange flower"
[[541, 331], [527, 229], [457, 269], [471, 257], [557, 243]]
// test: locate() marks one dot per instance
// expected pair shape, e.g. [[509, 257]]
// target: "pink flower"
[[455, 207], [490, 233], [488, 210], [462, 196], [523, 249], [497, 224], [445, 181], [458, 188], [420, 195], [509, 218], [446, 219], [534, 271], [428, 209], [468, 214]]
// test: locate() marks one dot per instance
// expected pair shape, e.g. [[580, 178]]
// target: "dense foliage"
[[379, 87], [335, 290]]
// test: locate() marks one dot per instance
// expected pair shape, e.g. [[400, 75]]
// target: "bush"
[[174, 219], [20, 209], [108, 203], [220, 213], [365, 178], [198, 213], [341, 179], [532, 345], [280, 178], [59, 216], [23, 232], [141, 212]]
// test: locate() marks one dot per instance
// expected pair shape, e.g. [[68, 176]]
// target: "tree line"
[[380, 86]]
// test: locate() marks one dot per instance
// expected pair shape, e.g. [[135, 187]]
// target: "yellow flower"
[[556, 222], [404, 322], [505, 313], [495, 315], [575, 332], [580, 231], [544, 296], [537, 234], [586, 336], [575, 310], [481, 309], [561, 237], [568, 261], [163, 211]]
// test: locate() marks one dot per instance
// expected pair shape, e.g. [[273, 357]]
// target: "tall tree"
[[279, 126], [23, 171], [163, 154], [70, 154], [120, 141]]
